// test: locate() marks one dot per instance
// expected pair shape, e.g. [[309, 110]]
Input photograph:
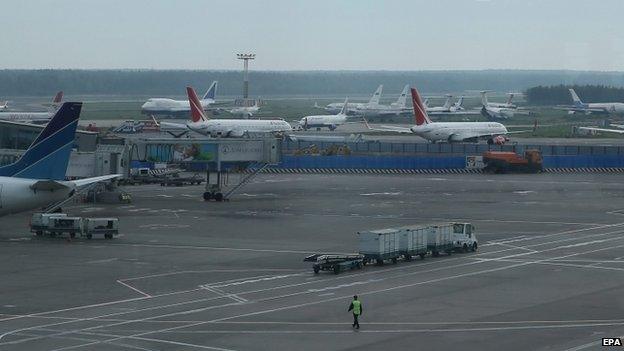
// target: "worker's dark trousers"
[[356, 323]]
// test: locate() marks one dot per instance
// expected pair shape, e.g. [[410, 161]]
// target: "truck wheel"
[[474, 247], [72, 235], [408, 257], [422, 256], [218, 197], [336, 269], [39, 233], [394, 260], [379, 262], [108, 236], [465, 248], [207, 196], [435, 254], [89, 236], [360, 265], [316, 269]]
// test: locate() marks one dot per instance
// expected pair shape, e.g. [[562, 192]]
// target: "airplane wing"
[[172, 125], [87, 181], [618, 131], [386, 128], [47, 185]]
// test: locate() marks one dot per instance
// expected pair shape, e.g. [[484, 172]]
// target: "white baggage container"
[[60, 225], [440, 239], [380, 244], [413, 241]]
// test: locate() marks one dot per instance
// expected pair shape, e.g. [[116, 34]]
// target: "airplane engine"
[[237, 133], [498, 140]]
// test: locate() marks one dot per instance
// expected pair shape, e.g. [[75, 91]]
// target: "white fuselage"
[[322, 121], [244, 110], [165, 105], [335, 107], [610, 107], [458, 131], [16, 195], [238, 127], [25, 116]]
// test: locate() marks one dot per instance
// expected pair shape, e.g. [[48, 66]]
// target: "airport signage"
[[241, 151], [474, 162]]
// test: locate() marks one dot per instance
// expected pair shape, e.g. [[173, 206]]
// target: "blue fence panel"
[[373, 162], [583, 161]]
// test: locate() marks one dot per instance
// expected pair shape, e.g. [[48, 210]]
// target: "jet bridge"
[[218, 157]]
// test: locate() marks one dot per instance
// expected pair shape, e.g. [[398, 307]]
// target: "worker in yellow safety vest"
[[356, 307]]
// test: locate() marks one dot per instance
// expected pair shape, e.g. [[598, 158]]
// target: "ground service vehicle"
[[106, 226], [59, 223], [40, 221], [380, 245], [504, 162], [464, 238]]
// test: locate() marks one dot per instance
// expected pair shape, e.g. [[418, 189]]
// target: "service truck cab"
[[464, 238]]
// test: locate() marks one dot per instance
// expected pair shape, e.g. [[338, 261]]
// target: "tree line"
[[560, 95], [45, 82]]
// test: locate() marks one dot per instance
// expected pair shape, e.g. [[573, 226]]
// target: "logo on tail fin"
[[343, 110], [420, 114], [211, 93], [575, 98], [374, 100], [197, 112], [48, 156]]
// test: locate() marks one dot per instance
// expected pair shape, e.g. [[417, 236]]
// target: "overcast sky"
[[314, 34]]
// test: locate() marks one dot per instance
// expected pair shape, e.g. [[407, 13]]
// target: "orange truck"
[[510, 162]]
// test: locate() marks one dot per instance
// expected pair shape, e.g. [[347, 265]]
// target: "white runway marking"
[[134, 289]]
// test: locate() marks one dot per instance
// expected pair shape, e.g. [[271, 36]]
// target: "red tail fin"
[[197, 112], [58, 97], [420, 114]]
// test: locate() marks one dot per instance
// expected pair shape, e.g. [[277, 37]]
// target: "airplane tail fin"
[[459, 102], [48, 156], [343, 110], [420, 114], [484, 100], [58, 98], [211, 93], [575, 98], [402, 100], [511, 96], [197, 112], [447, 103], [374, 100]]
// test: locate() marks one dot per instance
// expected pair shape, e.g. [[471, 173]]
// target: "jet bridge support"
[[219, 155]]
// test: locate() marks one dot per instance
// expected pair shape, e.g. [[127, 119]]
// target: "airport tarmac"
[[192, 275]]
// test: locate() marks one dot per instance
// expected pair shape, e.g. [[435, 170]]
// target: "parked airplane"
[[508, 104], [37, 178], [598, 107], [4, 106], [325, 121], [33, 117], [493, 132], [377, 109], [374, 100], [619, 130], [224, 127], [166, 106], [247, 111]]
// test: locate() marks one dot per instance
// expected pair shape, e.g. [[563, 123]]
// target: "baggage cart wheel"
[[218, 197], [474, 247], [360, 265], [336, 269], [394, 260], [316, 269], [422, 256], [408, 257], [89, 236], [52, 234], [39, 233], [72, 235], [207, 196], [379, 262], [465, 248], [435, 254], [108, 236]]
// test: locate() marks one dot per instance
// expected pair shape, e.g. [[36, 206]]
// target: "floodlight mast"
[[246, 58]]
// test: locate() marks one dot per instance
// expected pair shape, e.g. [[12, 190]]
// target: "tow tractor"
[[503, 162]]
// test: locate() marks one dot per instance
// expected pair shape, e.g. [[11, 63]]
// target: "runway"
[[190, 275]]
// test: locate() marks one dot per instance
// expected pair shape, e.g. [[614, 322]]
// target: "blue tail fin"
[[212, 91], [48, 156]]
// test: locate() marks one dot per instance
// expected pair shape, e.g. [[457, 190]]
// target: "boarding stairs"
[[55, 206], [255, 169]]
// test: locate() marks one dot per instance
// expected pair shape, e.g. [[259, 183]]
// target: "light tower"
[[246, 58]]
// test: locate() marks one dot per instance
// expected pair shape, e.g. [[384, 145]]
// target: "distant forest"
[[286, 83], [559, 94]]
